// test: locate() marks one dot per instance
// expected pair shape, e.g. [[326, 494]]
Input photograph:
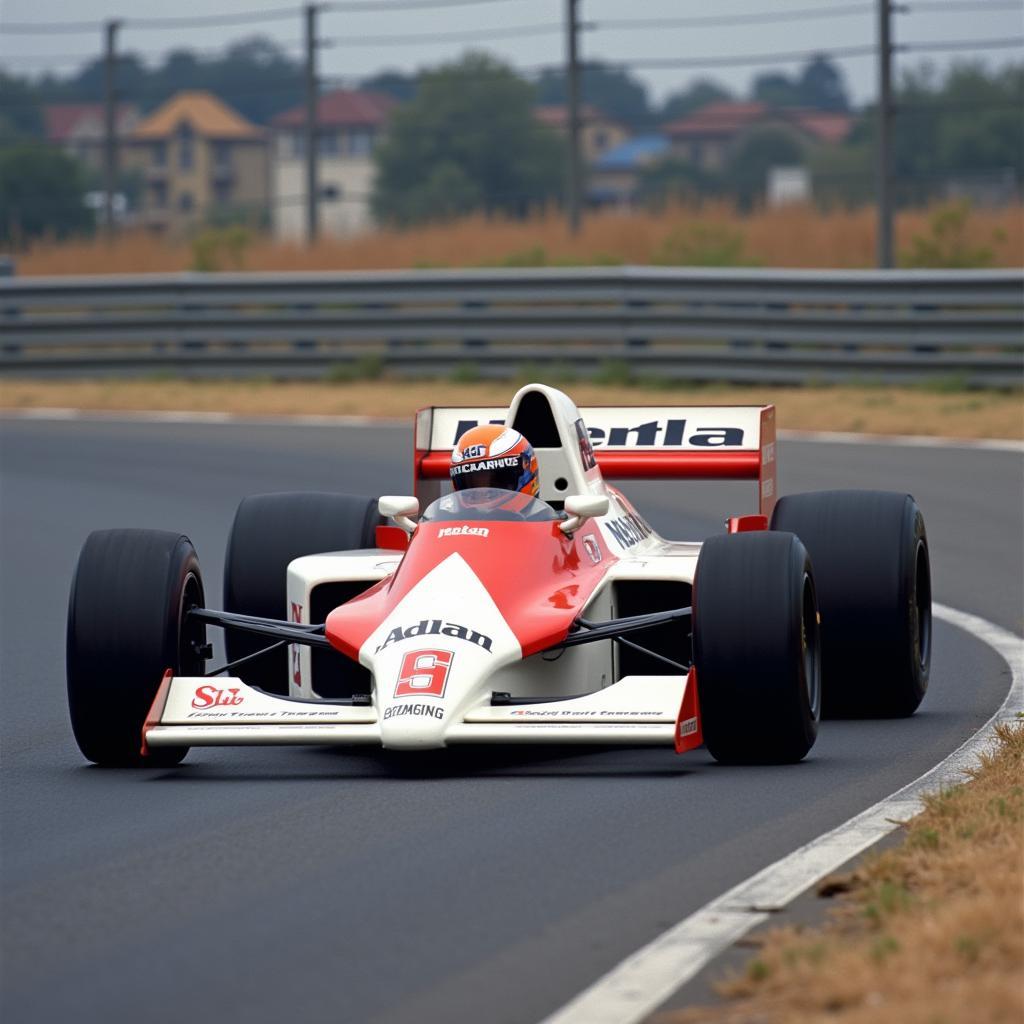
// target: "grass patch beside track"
[[928, 932], [708, 234], [881, 410]]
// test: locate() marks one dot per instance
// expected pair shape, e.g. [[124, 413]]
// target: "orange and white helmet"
[[494, 456]]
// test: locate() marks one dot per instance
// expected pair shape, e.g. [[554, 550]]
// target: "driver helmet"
[[492, 455]]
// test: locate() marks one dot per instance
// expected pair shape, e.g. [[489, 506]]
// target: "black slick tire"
[[755, 648], [871, 564], [127, 625], [269, 531]]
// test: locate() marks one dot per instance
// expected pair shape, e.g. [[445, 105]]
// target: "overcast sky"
[[989, 19]]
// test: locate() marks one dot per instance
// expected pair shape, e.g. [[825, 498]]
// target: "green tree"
[[965, 125], [686, 101], [821, 85], [40, 193], [674, 179], [393, 83], [777, 90], [20, 116], [746, 174], [468, 141], [613, 91]]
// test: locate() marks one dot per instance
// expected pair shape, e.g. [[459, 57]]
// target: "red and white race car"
[[502, 618]]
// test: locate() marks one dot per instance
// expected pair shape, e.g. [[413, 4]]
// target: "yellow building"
[[199, 158]]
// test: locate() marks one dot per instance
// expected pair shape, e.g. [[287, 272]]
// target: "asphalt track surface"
[[326, 885]]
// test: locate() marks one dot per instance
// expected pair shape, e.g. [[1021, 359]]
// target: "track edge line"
[[634, 988]]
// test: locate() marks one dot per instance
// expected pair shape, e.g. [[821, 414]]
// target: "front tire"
[[870, 554], [269, 531], [128, 624], [756, 648]]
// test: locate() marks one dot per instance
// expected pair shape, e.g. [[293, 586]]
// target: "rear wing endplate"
[[710, 442]]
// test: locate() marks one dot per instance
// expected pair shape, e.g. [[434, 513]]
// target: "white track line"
[[642, 982], [318, 420]]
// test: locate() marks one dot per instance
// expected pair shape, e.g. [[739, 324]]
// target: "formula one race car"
[[562, 618]]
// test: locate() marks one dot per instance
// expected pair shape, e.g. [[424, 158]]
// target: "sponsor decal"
[[472, 451], [586, 448], [399, 710], [212, 697], [436, 627], [424, 673], [767, 487], [505, 462], [688, 727], [666, 434], [463, 531], [592, 548], [548, 713], [768, 453], [296, 663], [629, 530]]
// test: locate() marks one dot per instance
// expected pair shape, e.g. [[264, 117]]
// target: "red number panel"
[[424, 674]]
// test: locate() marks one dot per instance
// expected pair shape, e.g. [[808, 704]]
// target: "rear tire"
[[126, 626], [871, 563], [269, 531], [756, 648]]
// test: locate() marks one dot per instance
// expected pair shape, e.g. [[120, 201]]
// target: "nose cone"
[[433, 656]]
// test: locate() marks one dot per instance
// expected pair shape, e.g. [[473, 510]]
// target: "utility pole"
[[883, 151], [109, 125], [572, 78], [312, 135]]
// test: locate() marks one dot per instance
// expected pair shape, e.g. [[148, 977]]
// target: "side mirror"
[[582, 507], [400, 508]]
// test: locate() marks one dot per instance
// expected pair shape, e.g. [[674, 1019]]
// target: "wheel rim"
[[922, 607], [191, 632], [810, 643]]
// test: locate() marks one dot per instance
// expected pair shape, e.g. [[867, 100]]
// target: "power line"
[[756, 18], [771, 59], [43, 28], [963, 44], [471, 35], [403, 5], [198, 20], [240, 18], [214, 20], [126, 55], [734, 60], [942, 6]]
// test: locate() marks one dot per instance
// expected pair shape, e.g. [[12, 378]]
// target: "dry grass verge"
[[873, 410], [714, 234], [929, 932]]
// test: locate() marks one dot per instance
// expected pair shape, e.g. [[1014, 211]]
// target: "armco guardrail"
[[689, 324]]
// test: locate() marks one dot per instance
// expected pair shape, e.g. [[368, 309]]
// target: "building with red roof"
[[80, 128], [598, 132], [350, 124], [708, 135]]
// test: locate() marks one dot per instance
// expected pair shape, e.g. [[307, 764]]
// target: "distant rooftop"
[[343, 108], [557, 115], [65, 122], [204, 113], [725, 119]]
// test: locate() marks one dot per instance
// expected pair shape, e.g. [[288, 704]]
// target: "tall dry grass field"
[[796, 236]]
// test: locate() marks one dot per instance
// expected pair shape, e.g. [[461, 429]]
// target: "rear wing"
[[708, 442]]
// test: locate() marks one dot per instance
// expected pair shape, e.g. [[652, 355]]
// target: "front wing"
[[193, 711]]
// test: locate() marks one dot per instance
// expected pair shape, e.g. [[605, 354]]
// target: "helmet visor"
[[504, 472]]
